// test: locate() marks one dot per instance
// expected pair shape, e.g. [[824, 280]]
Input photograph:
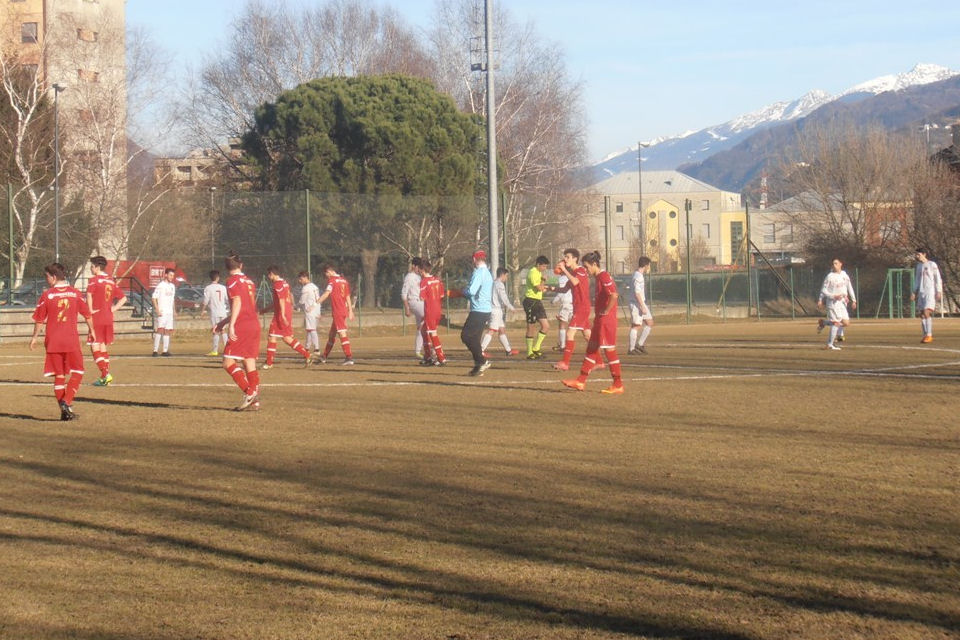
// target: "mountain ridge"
[[696, 147]]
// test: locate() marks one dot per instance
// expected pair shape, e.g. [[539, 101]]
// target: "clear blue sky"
[[657, 69]]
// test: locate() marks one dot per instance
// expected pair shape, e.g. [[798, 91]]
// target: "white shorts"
[[837, 311], [216, 319], [497, 320], [636, 317], [165, 321], [926, 300], [565, 313], [310, 320]]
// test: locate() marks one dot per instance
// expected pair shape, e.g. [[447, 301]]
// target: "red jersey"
[[606, 289], [431, 292], [243, 290], [58, 307], [282, 301], [581, 292], [339, 290], [103, 291]]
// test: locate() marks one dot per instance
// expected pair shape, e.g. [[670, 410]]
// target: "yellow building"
[[656, 227]]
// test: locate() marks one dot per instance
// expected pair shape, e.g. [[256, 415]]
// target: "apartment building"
[[628, 226], [73, 53]]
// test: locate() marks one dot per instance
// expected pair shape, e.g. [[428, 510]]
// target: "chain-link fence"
[[369, 240]]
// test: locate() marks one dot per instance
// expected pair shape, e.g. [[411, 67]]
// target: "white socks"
[[644, 334]]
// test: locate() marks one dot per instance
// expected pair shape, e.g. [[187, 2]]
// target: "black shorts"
[[534, 310]]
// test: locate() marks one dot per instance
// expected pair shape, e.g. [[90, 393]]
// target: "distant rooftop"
[[654, 182]]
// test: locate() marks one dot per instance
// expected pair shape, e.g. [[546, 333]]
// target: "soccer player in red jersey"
[[243, 346], [281, 327], [58, 308], [578, 282], [341, 308], [431, 292], [104, 297], [603, 336]]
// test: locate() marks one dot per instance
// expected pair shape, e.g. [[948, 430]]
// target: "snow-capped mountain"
[[696, 146], [920, 74]]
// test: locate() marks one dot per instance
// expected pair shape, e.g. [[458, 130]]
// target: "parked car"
[[189, 299]]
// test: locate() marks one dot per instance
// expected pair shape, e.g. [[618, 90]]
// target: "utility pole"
[[687, 205], [485, 64], [57, 88]]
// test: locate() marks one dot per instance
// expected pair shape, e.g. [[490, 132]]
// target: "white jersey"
[[927, 284], [500, 299], [411, 288], [165, 293], [837, 287], [309, 299], [564, 298], [215, 299], [639, 290]]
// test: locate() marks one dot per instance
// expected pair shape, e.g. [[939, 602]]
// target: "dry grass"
[[748, 485]]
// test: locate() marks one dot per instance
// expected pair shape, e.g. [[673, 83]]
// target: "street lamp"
[[212, 228], [57, 88], [687, 205], [640, 214]]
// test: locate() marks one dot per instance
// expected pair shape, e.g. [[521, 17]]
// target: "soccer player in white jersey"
[[927, 290], [412, 304], [564, 298], [640, 314], [498, 317], [310, 303], [163, 298], [836, 292], [215, 301]]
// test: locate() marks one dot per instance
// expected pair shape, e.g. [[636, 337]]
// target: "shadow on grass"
[[507, 509]]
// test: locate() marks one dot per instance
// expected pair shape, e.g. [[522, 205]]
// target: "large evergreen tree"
[[384, 136]]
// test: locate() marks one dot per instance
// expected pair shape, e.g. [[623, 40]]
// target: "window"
[[619, 207], [28, 32], [769, 233], [622, 267], [620, 235], [704, 205], [673, 214], [653, 215], [736, 237], [705, 231], [786, 234], [673, 243], [183, 172], [86, 35], [88, 76]]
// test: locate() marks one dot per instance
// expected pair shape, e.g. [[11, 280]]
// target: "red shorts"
[[104, 333], [431, 322], [247, 344], [339, 323], [581, 318], [604, 333], [62, 364], [280, 330]]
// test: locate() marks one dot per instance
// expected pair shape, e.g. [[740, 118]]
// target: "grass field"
[[747, 485]]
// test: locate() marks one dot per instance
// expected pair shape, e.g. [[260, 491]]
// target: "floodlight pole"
[[642, 213], [687, 205], [57, 88], [213, 259], [491, 142]]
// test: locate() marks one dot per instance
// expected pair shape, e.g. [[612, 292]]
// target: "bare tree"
[[853, 189], [275, 46], [540, 124], [116, 74], [26, 127], [936, 219]]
